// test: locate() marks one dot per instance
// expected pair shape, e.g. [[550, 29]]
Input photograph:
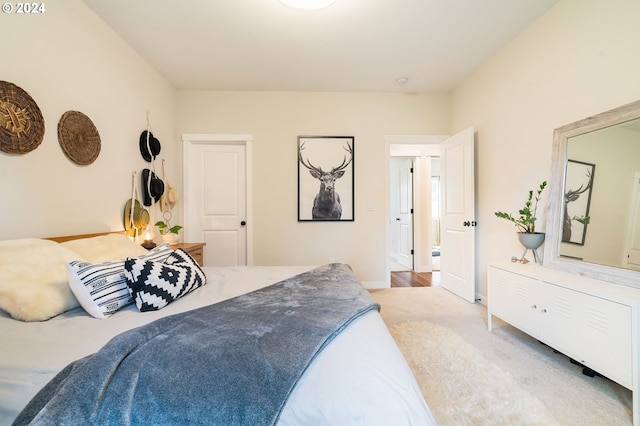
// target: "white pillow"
[[104, 248], [101, 288], [33, 279]]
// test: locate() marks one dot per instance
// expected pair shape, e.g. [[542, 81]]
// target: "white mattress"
[[360, 378]]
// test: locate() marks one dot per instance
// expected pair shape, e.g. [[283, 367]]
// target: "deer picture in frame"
[[325, 178], [577, 201]]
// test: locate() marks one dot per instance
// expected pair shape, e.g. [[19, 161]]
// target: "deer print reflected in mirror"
[[577, 201], [325, 178]]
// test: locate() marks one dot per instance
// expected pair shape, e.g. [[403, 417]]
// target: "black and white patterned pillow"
[[101, 288], [153, 285]]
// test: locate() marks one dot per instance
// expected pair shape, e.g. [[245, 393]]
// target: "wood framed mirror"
[[596, 175]]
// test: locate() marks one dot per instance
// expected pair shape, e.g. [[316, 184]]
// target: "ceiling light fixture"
[[307, 4], [402, 80]]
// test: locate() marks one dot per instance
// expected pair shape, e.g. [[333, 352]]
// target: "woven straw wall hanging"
[[78, 137], [21, 122]]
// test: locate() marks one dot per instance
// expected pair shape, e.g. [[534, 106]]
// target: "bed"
[[352, 374]]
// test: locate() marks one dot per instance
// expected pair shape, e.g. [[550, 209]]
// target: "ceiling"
[[353, 45]]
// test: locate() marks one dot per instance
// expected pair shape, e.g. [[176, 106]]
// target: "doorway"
[[421, 149], [402, 187], [435, 213], [631, 255]]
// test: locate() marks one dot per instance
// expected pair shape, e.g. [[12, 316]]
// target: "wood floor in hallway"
[[414, 279]]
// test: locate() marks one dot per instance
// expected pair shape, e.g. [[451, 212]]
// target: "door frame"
[[407, 146], [191, 139]]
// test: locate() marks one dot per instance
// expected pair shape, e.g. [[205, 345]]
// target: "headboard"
[[78, 237]]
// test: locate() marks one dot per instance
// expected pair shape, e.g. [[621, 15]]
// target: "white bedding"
[[361, 378]]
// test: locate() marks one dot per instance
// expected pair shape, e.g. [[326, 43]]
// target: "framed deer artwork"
[[325, 178], [577, 201]]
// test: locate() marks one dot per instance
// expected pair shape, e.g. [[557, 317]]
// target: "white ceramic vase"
[[170, 238]]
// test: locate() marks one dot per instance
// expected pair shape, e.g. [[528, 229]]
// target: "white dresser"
[[591, 321]]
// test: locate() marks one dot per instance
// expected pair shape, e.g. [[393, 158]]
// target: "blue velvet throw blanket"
[[232, 363]]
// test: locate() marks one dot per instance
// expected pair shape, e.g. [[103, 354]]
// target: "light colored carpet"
[[464, 389], [471, 376]]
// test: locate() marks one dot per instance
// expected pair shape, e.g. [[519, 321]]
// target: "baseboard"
[[375, 285]]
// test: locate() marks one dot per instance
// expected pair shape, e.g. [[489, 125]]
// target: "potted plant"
[[526, 222], [169, 233]]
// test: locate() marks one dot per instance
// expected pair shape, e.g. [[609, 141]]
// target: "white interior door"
[[215, 179], [457, 265], [632, 252], [405, 213]]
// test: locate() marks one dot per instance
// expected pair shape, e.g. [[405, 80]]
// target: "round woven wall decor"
[[78, 137], [21, 122]]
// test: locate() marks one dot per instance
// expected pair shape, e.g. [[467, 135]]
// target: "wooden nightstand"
[[196, 250]]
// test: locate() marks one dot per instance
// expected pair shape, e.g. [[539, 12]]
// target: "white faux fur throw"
[[105, 248], [33, 279]]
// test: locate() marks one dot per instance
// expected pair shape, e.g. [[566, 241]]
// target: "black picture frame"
[[577, 200], [326, 161]]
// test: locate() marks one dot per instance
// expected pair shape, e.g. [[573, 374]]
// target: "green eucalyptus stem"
[[526, 222]]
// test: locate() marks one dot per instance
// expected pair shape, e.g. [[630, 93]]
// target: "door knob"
[[243, 223]]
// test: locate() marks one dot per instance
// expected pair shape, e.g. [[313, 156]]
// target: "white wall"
[[579, 59], [275, 120], [68, 59]]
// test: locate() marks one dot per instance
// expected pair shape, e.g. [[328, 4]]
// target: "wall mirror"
[[596, 176]]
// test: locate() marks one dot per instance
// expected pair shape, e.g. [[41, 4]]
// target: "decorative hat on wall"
[[170, 196], [135, 216], [152, 187], [78, 137], [149, 146], [21, 122]]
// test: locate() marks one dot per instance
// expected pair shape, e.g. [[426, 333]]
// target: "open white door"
[[457, 267], [632, 250], [215, 181]]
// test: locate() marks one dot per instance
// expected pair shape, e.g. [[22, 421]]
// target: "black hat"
[[149, 148], [152, 187]]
